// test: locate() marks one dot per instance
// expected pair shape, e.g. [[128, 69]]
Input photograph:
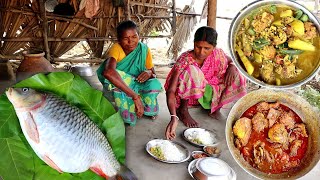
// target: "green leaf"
[[75, 91], [16, 160], [9, 123], [111, 125]]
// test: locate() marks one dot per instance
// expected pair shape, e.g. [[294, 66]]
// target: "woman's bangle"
[[174, 116]]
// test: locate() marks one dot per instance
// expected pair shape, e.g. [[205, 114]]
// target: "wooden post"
[[127, 10], [212, 13], [44, 28], [174, 27], [119, 14]]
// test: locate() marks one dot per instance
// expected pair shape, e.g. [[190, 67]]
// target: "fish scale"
[[66, 135]]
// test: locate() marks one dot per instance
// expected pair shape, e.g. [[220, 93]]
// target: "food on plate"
[[278, 140], [278, 44], [212, 150], [202, 137], [62, 135], [156, 151], [167, 151]]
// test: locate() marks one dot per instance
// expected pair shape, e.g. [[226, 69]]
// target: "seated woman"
[[203, 75], [129, 73]]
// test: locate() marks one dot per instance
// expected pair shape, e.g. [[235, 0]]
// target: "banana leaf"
[[18, 160]]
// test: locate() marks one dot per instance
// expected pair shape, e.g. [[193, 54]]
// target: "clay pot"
[[33, 63]]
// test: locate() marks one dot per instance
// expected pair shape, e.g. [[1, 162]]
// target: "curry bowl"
[[275, 43], [309, 116]]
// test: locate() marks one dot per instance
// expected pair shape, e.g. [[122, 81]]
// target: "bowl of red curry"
[[274, 134]]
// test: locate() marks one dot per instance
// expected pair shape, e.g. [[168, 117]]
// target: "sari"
[[206, 84], [129, 68]]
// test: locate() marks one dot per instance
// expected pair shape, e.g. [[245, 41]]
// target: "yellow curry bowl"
[[275, 43]]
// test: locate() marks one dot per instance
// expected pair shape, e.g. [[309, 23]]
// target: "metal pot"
[[235, 27], [82, 70], [309, 115]]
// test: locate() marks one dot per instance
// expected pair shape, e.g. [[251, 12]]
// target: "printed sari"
[[129, 68], [206, 85]]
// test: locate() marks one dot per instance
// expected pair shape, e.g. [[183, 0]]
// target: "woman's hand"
[[144, 76], [138, 106], [230, 74], [171, 128]]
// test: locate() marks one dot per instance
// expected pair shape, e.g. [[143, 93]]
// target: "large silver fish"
[[63, 136]]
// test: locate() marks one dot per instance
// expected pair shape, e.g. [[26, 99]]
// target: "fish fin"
[[48, 161], [98, 170], [125, 174], [31, 128]]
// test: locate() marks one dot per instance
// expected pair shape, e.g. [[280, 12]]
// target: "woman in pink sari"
[[204, 75]]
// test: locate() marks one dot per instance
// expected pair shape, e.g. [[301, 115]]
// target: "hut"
[[56, 26]]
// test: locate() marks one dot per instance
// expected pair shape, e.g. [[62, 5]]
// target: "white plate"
[[192, 169], [181, 148], [189, 131]]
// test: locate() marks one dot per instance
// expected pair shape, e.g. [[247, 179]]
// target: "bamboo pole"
[[44, 29], [188, 14], [127, 12], [174, 26], [119, 14], [212, 13], [30, 39], [73, 21], [133, 3], [82, 60]]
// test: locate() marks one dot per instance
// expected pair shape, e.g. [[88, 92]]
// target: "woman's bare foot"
[[216, 115], [152, 117], [186, 118]]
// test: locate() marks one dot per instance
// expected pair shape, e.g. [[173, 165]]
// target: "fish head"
[[24, 97]]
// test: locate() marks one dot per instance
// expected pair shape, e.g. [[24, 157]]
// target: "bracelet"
[[174, 116]]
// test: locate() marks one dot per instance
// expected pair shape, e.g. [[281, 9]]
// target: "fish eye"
[[25, 89]]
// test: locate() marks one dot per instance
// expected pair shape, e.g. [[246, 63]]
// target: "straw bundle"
[[15, 25], [138, 10], [204, 12], [185, 26]]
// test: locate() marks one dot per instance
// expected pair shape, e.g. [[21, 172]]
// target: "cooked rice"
[[170, 151], [202, 137]]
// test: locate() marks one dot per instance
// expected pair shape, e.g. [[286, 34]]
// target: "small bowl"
[[199, 154], [213, 151]]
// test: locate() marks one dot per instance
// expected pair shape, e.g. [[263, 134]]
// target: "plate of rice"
[[200, 137], [167, 151]]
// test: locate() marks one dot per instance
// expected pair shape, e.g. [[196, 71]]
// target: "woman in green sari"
[[130, 75]]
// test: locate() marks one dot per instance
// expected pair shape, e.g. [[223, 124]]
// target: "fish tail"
[[125, 174]]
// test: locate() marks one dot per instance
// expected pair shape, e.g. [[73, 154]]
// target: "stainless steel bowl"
[[82, 70], [235, 27], [309, 115]]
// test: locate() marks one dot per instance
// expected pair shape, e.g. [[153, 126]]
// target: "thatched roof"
[[22, 24]]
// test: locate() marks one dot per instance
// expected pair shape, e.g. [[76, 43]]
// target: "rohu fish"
[[63, 136]]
